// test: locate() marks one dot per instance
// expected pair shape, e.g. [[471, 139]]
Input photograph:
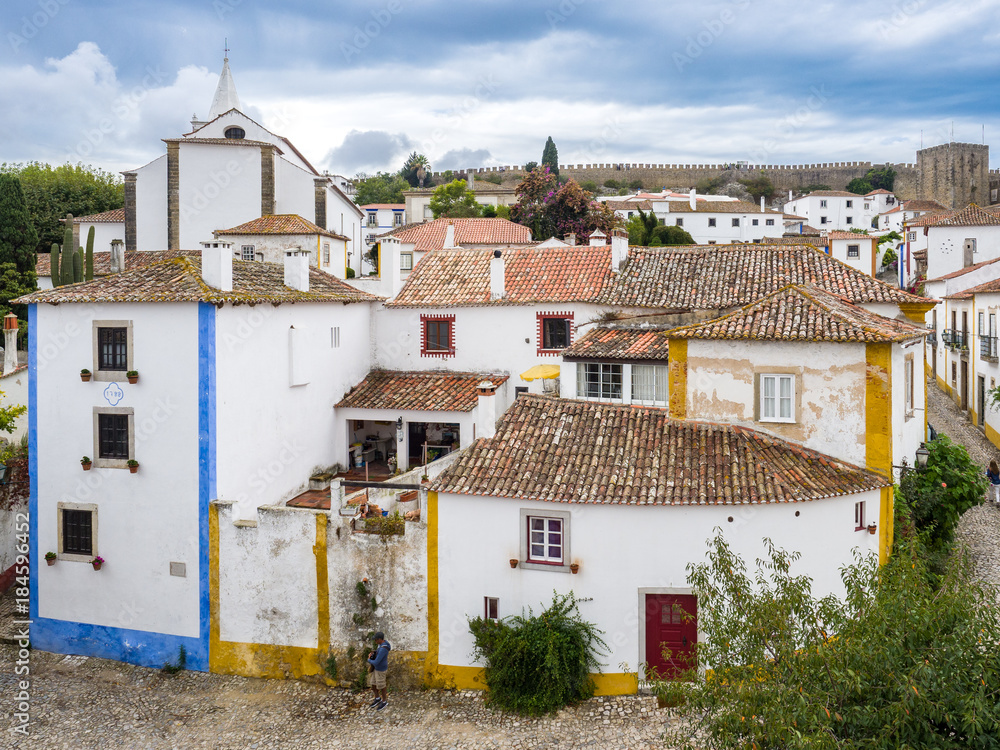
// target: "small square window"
[[822, 204], [112, 349], [736, 222], [406, 261], [491, 608], [247, 252], [849, 204], [76, 529], [756, 222], [437, 338], [679, 222], [556, 333], [769, 222], [822, 220], [849, 219], [859, 516], [854, 251], [113, 432], [711, 222]]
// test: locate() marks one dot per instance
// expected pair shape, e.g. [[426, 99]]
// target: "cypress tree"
[[18, 237], [550, 156]]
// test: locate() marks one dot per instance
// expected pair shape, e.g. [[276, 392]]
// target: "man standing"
[[379, 661]]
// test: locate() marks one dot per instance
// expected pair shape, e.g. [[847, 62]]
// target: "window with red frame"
[[859, 516], [555, 332], [437, 336]]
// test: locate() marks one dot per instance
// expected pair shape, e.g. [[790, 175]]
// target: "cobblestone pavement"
[[82, 703], [979, 529]]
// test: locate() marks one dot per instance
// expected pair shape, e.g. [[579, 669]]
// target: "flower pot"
[[513, 562], [85, 377], [871, 529], [133, 379], [86, 466], [50, 561], [97, 565], [133, 469], [574, 568]]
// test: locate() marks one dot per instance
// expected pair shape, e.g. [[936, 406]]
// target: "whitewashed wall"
[[294, 189], [104, 232], [830, 415], [908, 430], [945, 247], [863, 263], [219, 189], [145, 520], [151, 206], [14, 386], [621, 549]]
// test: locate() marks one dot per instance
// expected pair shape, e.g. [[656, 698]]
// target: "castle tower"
[[954, 174]]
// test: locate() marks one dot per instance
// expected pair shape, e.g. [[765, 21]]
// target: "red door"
[[671, 633]]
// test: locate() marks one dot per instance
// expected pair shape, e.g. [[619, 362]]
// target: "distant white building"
[[381, 218], [839, 209]]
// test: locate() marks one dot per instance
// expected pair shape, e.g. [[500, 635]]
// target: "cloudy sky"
[[357, 85]]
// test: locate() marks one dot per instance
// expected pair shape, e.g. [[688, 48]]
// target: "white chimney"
[[692, 201], [570, 238], [598, 237], [762, 203], [470, 184], [449, 236], [619, 249], [297, 270], [486, 410], [117, 256], [497, 276], [217, 265], [789, 195], [9, 343]]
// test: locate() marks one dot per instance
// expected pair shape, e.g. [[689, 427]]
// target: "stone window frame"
[[769, 222], [113, 463], [71, 557], [564, 516], [372, 219], [112, 376], [854, 251]]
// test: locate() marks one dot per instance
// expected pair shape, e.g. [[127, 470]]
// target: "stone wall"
[[954, 174]]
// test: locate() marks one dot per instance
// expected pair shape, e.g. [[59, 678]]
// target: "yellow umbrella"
[[541, 372]]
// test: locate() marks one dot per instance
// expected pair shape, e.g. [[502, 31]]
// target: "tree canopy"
[[645, 230], [454, 201], [52, 192], [876, 178], [18, 238], [415, 169], [381, 187], [553, 211], [550, 157]]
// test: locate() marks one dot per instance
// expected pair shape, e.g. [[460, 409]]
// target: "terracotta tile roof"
[[711, 277], [569, 451], [447, 278], [832, 194], [629, 205], [619, 343], [895, 209], [280, 224], [922, 205], [802, 313], [179, 279], [838, 235], [794, 218], [880, 191], [393, 206], [960, 271], [808, 230], [926, 220], [719, 207], [795, 239], [431, 234], [423, 391], [102, 260], [970, 216], [114, 216]]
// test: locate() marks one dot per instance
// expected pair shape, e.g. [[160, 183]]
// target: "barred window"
[[112, 349]]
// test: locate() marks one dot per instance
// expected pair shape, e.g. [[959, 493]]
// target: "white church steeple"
[[226, 97]]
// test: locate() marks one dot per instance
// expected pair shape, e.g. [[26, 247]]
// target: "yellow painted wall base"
[[992, 435], [471, 678], [943, 385], [260, 660], [621, 683]]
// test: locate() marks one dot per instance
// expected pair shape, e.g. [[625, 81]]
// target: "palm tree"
[[415, 169]]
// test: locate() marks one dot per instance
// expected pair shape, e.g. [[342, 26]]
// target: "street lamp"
[[922, 455]]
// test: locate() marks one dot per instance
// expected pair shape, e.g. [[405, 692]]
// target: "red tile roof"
[[719, 207], [179, 279], [422, 391], [832, 194], [279, 224], [629, 205], [970, 216], [793, 240], [880, 191], [712, 277], [922, 205], [961, 271], [393, 206], [838, 235], [620, 343], [431, 234], [928, 219], [114, 216], [102, 260], [225, 142], [569, 451], [802, 313]]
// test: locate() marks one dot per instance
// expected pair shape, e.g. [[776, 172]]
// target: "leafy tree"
[[52, 192], [635, 185], [613, 184], [492, 177], [381, 187], [711, 185], [415, 169], [454, 201], [759, 186], [553, 211], [530, 165], [488, 211], [898, 663], [539, 664], [812, 188], [14, 284], [859, 186], [882, 178], [645, 230], [672, 235], [550, 157], [502, 212], [589, 185], [18, 238]]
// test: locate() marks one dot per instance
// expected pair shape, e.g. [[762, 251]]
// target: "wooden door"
[[671, 633], [964, 385]]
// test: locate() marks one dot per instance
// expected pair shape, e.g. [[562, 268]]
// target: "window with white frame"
[[849, 204], [777, 398], [397, 218], [335, 337], [247, 252], [599, 381], [769, 222], [406, 261], [859, 516], [326, 253], [908, 385], [77, 531], [649, 384], [911, 236], [491, 608], [822, 204], [854, 251], [373, 219]]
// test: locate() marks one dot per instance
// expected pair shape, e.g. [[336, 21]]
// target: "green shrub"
[[349, 273], [635, 185], [589, 185], [613, 184], [539, 664]]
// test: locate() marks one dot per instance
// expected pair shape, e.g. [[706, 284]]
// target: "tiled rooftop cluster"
[[431, 235], [280, 224], [114, 216], [620, 343], [425, 391], [102, 260], [582, 452]]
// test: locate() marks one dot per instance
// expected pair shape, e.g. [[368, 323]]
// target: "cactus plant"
[[78, 266], [66, 269], [89, 260], [54, 264]]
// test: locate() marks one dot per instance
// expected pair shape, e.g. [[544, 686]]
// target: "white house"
[[957, 240], [239, 366], [721, 222], [892, 220], [838, 209], [612, 502], [381, 218], [269, 238], [108, 226], [857, 250], [418, 200]]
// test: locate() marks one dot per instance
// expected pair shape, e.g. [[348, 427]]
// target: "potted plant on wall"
[[133, 465], [85, 375], [133, 376], [50, 558], [97, 562], [86, 463]]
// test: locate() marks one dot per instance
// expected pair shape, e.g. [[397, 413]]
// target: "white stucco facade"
[[104, 233]]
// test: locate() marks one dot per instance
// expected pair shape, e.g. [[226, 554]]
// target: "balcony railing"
[[932, 338], [954, 339], [988, 347]]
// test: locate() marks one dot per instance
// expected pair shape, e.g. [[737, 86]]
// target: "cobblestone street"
[[83, 703], [979, 529]]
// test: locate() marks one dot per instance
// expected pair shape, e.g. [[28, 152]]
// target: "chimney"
[[449, 236], [692, 201], [497, 276], [297, 270], [570, 238], [117, 256], [597, 237], [9, 342], [789, 194], [762, 203], [217, 265], [486, 410], [619, 249], [470, 183]]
